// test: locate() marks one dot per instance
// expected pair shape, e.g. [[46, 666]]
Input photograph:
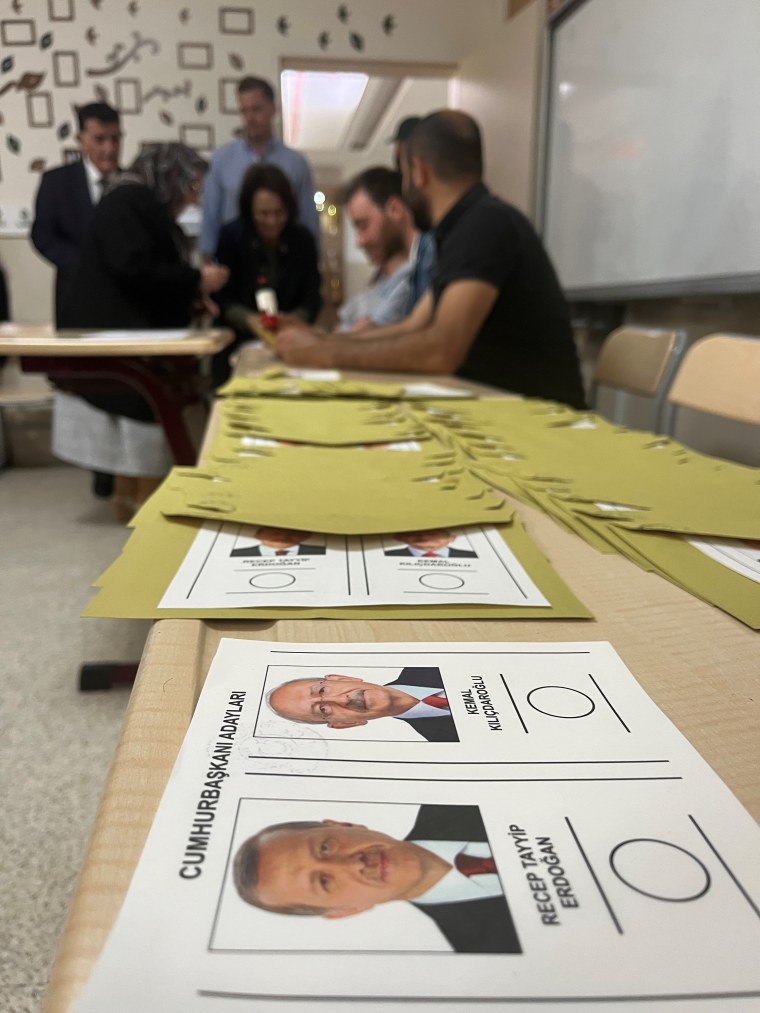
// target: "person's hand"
[[213, 277], [300, 347]]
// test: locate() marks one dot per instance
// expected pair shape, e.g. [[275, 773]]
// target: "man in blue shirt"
[[255, 146]]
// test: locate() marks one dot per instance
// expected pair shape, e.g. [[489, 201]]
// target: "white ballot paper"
[[363, 826], [743, 557], [240, 566]]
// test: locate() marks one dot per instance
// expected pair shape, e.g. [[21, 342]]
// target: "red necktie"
[[280, 552], [429, 555], [471, 865], [436, 700]]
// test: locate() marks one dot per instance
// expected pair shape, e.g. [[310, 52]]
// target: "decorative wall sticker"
[[120, 55], [63, 131], [236, 21], [127, 93], [133, 8], [343, 14], [37, 165], [27, 82], [66, 68], [6, 65], [61, 10], [236, 61], [201, 105], [18, 33], [13, 144], [39, 108], [324, 40], [184, 15], [228, 103], [92, 36], [283, 25], [17, 6], [96, 4], [389, 24], [165, 94], [101, 94], [166, 117], [357, 41], [46, 41], [198, 136], [195, 56]]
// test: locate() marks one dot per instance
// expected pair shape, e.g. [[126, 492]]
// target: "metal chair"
[[632, 374], [714, 402]]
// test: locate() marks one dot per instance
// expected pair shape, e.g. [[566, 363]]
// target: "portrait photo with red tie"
[[381, 705], [268, 541], [435, 543], [418, 878]]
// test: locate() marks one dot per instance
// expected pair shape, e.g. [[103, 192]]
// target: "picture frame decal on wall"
[[18, 33], [66, 69], [236, 21], [128, 95], [61, 10], [199, 136], [195, 56], [39, 109]]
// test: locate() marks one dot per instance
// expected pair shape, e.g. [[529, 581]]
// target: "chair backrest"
[[714, 402], [633, 372]]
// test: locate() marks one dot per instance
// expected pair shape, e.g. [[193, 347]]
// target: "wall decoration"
[[121, 54], [199, 136], [165, 94], [133, 8], [66, 68], [236, 21], [13, 144], [96, 4], [46, 41], [343, 14], [201, 105], [228, 102], [6, 65], [127, 93], [195, 56], [101, 95], [236, 61], [39, 109], [18, 33], [283, 25], [61, 10], [357, 41], [27, 82], [37, 165], [389, 24], [184, 15], [92, 36], [16, 6], [166, 117], [324, 40], [63, 131]]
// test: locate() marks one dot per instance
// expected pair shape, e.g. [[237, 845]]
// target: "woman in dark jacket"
[[264, 247]]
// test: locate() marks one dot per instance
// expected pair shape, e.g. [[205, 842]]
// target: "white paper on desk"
[[164, 335], [251, 442], [743, 557], [626, 872], [227, 567]]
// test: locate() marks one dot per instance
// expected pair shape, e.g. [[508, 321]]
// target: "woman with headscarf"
[[265, 248], [134, 273]]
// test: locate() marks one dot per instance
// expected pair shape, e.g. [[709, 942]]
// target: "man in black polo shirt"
[[495, 311]]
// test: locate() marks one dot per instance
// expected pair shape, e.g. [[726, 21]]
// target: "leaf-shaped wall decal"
[[236, 61], [7, 64], [14, 144], [100, 93], [46, 40], [357, 41], [63, 131], [201, 104], [166, 117], [37, 165], [29, 81]]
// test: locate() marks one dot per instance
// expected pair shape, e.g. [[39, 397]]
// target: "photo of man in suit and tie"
[[279, 542], [341, 701], [334, 869], [433, 544]]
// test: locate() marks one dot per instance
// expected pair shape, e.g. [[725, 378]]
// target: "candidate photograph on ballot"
[[434, 543], [264, 542], [370, 876], [356, 702]]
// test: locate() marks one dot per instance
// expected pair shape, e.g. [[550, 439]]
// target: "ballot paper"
[[240, 566], [742, 557], [363, 826]]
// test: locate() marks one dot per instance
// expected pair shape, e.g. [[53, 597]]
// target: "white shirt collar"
[[422, 710], [454, 887]]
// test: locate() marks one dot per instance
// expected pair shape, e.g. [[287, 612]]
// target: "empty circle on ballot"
[[441, 581], [271, 580], [561, 702], [660, 869]]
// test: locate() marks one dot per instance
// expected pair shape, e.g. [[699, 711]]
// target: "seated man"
[[495, 312], [385, 232]]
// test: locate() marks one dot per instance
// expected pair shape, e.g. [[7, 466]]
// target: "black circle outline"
[[654, 896], [443, 590], [562, 717], [264, 573]]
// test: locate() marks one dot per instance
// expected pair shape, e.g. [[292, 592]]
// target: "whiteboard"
[[651, 182]]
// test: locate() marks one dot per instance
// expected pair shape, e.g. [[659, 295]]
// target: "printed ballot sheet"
[[238, 566], [375, 825]]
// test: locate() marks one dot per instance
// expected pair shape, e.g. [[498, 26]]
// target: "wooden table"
[[160, 369], [699, 665]]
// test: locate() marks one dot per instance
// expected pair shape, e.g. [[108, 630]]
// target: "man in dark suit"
[[280, 542], [417, 696], [67, 196], [433, 544], [444, 867]]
